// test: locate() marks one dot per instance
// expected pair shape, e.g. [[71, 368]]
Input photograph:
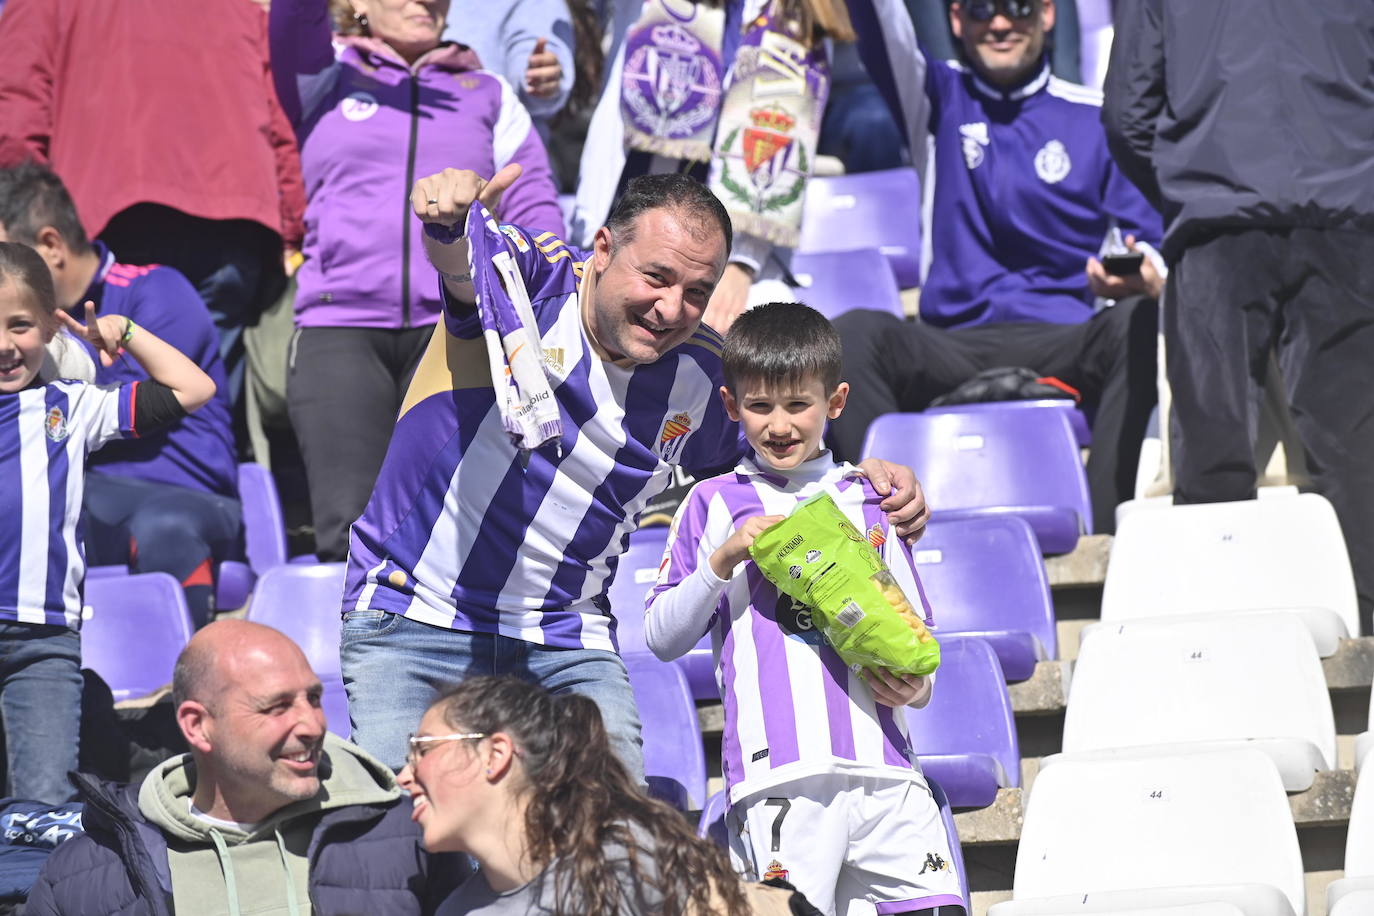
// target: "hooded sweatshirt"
[[224, 871]]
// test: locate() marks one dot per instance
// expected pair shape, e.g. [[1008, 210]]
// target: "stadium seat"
[[335, 703], [966, 736], [711, 825], [304, 602], [834, 282], [1219, 680], [879, 210], [635, 574], [1353, 895], [673, 753], [133, 628], [985, 577], [1006, 462], [1078, 420], [264, 537], [1280, 552], [1210, 830]]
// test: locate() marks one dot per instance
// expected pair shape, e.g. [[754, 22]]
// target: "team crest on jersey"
[[674, 434], [775, 870], [55, 425], [974, 140], [359, 106], [515, 236], [876, 537], [1052, 163]]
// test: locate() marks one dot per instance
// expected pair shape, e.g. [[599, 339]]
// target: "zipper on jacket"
[[406, 215]]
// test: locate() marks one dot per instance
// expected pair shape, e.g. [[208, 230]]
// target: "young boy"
[[824, 789]]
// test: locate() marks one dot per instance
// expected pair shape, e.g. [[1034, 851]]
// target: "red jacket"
[[159, 101]]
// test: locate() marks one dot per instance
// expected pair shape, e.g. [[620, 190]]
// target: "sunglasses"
[[419, 747], [984, 10]]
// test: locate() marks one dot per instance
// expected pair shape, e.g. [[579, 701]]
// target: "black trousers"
[[1309, 295], [343, 391], [895, 365]]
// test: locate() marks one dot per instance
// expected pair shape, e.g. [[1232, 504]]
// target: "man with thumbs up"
[[490, 541]]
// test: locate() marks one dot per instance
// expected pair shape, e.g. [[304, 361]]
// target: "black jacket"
[[363, 859], [1245, 113]]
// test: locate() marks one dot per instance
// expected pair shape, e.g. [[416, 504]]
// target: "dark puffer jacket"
[[363, 859]]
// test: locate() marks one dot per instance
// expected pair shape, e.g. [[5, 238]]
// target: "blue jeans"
[[40, 700], [395, 667]]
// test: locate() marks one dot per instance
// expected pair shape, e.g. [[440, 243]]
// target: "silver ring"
[[434, 200]]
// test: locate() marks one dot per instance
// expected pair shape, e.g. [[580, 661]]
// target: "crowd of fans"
[[173, 175]]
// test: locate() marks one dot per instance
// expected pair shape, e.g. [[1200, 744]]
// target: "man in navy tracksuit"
[[1252, 125], [1021, 193], [167, 503]]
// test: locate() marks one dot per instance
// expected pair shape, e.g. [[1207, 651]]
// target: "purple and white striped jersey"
[[45, 435], [792, 707], [464, 532]]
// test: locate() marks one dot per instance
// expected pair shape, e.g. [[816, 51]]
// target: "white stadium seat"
[[1219, 679], [1353, 895], [1281, 552], [1157, 834]]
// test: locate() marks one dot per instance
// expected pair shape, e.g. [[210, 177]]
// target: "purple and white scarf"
[[524, 394]]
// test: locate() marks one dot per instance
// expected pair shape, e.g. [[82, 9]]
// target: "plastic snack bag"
[[818, 557]]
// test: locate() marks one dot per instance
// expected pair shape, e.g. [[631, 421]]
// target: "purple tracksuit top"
[[368, 127]]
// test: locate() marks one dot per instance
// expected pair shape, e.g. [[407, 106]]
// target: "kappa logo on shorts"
[[674, 434], [934, 862], [775, 870], [55, 425]]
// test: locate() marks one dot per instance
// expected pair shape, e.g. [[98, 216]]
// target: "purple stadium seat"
[[304, 603], [833, 282], [879, 210], [985, 577], [966, 738], [994, 462], [133, 629], [674, 760], [711, 826], [335, 703], [264, 537], [634, 576], [1077, 418]]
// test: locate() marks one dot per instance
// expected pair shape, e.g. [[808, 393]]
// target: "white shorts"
[[854, 845]]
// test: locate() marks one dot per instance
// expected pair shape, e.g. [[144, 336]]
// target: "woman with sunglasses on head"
[[526, 783]]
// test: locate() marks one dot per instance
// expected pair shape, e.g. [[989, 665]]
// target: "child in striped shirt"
[[46, 431], [823, 786]]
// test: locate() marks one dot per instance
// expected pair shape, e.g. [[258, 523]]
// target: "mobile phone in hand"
[[1126, 264]]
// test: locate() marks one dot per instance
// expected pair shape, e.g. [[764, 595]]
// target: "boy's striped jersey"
[[792, 707], [463, 531], [45, 435]]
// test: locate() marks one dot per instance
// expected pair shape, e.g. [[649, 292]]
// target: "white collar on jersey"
[[1036, 83], [817, 468]]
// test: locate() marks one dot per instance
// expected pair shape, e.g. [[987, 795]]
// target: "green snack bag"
[[818, 557]]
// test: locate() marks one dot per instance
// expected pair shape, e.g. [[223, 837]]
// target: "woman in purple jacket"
[[371, 113]]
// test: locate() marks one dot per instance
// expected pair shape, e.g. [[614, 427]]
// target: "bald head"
[[220, 656]]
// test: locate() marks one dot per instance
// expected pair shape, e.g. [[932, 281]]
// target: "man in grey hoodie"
[[268, 813]]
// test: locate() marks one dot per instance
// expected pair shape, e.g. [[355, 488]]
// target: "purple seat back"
[[134, 628], [634, 577], [672, 734], [264, 529], [879, 210], [966, 736], [1008, 462], [711, 824], [834, 282], [1078, 420], [985, 577], [335, 703], [304, 602]]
